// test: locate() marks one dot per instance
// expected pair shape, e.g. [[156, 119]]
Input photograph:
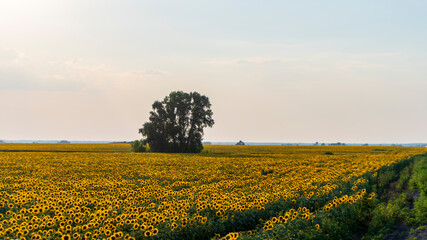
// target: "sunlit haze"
[[274, 71]]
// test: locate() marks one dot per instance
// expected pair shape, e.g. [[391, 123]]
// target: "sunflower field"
[[102, 191]]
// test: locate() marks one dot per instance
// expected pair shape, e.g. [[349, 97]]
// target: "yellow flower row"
[[89, 195]]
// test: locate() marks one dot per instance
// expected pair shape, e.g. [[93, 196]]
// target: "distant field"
[[66, 147], [94, 191]]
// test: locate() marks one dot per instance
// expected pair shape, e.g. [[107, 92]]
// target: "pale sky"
[[274, 71]]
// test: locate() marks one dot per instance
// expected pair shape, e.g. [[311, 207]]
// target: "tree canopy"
[[176, 123]]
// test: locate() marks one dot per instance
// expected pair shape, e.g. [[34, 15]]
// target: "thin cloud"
[[19, 72], [255, 60], [7, 56], [141, 74]]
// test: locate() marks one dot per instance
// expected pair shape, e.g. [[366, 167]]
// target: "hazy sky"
[[275, 71]]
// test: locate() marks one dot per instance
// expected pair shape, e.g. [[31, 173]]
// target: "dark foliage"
[[176, 123], [138, 146]]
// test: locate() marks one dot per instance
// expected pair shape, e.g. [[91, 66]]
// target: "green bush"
[[138, 146], [404, 177], [420, 209], [419, 177], [418, 185]]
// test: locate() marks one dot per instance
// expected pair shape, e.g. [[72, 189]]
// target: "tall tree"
[[176, 124]]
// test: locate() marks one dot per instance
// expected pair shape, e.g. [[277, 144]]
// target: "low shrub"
[[138, 146]]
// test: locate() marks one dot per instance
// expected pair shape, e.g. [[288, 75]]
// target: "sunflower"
[[66, 237], [147, 233], [143, 227], [135, 226]]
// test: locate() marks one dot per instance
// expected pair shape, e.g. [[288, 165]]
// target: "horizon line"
[[216, 142]]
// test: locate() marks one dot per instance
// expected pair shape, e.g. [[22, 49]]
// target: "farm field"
[[65, 147], [104, 191]]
